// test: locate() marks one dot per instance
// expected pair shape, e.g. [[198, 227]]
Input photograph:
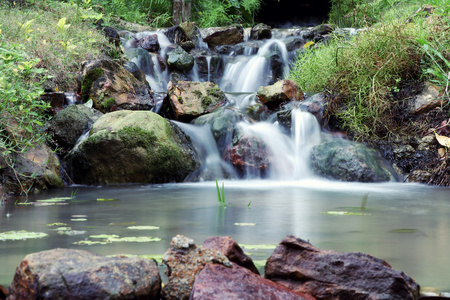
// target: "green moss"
[[216, 92], [180, 99], [197, 93], [87, 81], [206, 100], [133, 137], [110, 102]]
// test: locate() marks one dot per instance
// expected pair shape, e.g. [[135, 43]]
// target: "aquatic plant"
[[221, 199]]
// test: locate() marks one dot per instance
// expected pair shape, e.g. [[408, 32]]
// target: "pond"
[[405, 224]]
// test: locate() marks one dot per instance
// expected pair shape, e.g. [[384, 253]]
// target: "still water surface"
[[273, 210]]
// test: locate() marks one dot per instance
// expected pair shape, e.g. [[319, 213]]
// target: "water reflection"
[[276, 208]]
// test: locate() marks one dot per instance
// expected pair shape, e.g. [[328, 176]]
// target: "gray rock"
[[69, 124], [78, 274], [348, 161], [261, 31], [180, 60], [217, 36]]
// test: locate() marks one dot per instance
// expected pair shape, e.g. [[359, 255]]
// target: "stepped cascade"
[[240, 72]]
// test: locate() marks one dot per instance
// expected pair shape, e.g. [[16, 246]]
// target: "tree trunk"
[[187, 15], [177, 11]]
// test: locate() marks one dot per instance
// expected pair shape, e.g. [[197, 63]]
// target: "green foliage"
[[225, 12]]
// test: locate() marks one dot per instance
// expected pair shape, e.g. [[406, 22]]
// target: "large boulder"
[[221, 283], [69, 124], [231, 250], [132, 146], [184, 261], [188, 100], [327, 274], [79, 274], [180, 60], [217, 36], [280, 92], [112, 87], [348, 161]]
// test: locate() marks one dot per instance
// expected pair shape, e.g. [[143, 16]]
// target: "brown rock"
[[231, 249], [219, 282], [3, 292], [429, 99], [327, 274], [189, 100], [249, 156], [217, 36], [78, 274], [282, 91], [184, 261], [111, 87]]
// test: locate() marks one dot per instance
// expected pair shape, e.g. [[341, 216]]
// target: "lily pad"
[[78, 220], [21, 235], [136, 239], [63, 228], [103, 236], [56, 224], [260, 263], [404, 230], [86, 242], [344, 213], [258, 247], [106, 199], [244, 224], [143, 227], [71, 232]]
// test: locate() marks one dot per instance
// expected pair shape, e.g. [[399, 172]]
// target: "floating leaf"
[[21, 235], [106, 199], [72, 232], [244, 224], [103, 236], [63, 228], [258, 247], [56, 224], [78, 220], [92, 242], [344, 213], [404, 230], [79, 216], [143, 227], [137, 239]]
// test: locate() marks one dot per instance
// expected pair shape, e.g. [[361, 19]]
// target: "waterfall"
[[246, 68]]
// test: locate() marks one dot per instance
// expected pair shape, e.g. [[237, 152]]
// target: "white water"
[[242, 75]]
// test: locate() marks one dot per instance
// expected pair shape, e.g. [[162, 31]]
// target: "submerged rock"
[[184, 261], [188, 100], [217, 36], [282, 91], [348, 161], [221, 283], [79, 274], [327, 274], [132, 146], [112, 87], [69, 124]]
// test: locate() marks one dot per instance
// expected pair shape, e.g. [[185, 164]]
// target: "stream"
[[405, 224]]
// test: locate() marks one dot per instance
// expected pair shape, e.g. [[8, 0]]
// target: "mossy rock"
[[133, 146], [348, 161], [112, 87]]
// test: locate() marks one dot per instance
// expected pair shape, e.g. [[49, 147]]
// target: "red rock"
[[219, 282], [281, 91], [327, 274], [231, 250]]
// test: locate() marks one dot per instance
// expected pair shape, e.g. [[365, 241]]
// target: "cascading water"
[[258, 64]]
